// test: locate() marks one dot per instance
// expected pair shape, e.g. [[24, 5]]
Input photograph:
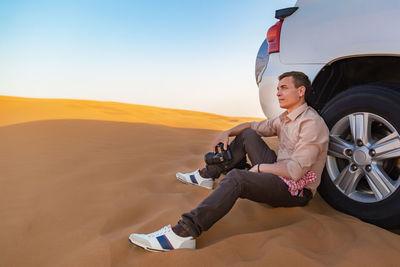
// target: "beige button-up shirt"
[[303, 137]]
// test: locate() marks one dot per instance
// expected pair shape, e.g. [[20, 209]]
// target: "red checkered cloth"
[[296, 186]]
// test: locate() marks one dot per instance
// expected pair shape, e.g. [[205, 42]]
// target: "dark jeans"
[[260, 187]]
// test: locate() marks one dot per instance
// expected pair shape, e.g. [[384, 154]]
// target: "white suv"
[[350, 50]]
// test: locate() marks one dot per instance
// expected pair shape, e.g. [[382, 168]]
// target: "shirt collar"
[[295, 113]]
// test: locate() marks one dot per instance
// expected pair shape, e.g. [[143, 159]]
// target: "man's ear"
[[302, 91]]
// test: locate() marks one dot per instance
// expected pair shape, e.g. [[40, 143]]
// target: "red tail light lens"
[[273, 36]]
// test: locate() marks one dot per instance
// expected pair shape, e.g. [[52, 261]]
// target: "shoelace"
[[160, 232]]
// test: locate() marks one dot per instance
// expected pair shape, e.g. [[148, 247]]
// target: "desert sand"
[[78, 177]]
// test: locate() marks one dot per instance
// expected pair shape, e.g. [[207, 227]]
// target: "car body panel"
[[334, 32]]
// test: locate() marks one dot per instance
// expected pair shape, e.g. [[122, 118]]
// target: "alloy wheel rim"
[[363, 158]]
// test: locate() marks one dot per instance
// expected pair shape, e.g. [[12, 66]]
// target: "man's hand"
[[222, 138]]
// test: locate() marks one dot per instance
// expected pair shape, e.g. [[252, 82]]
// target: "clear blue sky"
[[196, 55]]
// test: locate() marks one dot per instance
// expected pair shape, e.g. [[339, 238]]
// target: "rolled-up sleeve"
[[312, 140], [266, 127]]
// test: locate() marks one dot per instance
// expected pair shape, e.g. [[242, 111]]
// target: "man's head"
[[292, 89]]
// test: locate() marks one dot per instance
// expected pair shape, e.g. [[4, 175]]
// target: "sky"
[[185, 54]]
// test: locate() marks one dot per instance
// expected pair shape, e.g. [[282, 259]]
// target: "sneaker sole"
[[183, 180], [145, 247]]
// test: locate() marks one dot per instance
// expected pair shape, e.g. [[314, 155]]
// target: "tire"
[[362, 171]]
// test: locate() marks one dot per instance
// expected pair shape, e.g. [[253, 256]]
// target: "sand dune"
[[20, 109], [72, 190]]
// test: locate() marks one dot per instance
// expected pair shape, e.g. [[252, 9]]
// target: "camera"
[[220, 156]]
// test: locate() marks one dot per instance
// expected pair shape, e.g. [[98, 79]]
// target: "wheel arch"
[[342, 74]]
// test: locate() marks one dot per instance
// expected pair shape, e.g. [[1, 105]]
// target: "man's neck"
[[294, 107]]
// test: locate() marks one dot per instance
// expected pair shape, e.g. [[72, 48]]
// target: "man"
[[291, 179]]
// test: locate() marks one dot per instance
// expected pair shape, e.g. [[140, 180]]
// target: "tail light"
[[273, 36]]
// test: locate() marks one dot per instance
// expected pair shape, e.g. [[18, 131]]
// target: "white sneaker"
[[194, 178], [162, 240]]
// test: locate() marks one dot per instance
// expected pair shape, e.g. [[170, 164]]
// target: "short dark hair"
[[299, 79]]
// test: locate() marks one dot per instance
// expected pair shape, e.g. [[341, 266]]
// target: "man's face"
[[289, 96]]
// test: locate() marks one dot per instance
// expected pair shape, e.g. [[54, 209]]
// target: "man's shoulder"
[[310, 115]]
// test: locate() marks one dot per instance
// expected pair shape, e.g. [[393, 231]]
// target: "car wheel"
[[362, 171]]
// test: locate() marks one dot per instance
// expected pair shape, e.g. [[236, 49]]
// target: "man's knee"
[[234, 176], [233, 173], [248, 134]]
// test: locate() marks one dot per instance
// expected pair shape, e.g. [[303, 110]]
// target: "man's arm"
[[239, 128], [224, 136], [313, 138], [278, 169], [263, 128]]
